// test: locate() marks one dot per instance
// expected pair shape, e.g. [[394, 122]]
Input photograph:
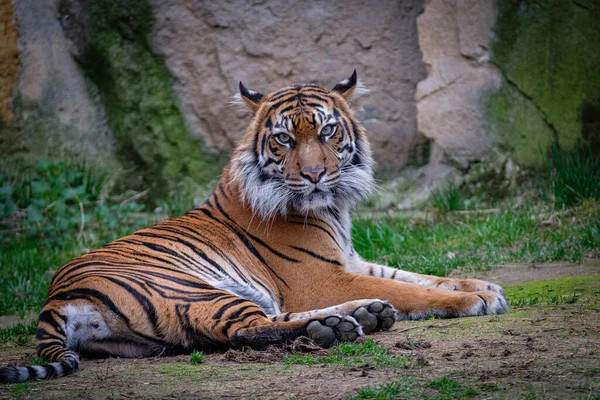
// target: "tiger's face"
[[303, 151]]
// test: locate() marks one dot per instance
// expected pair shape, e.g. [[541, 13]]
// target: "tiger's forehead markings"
[[301, 107]]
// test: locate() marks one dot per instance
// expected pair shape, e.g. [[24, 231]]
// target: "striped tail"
[[67, 364]]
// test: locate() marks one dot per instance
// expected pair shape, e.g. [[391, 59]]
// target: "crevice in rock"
[[447, 85], [513, 84]]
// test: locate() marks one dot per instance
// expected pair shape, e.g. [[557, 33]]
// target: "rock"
[[210, 46], [55, 104], [454, 39]]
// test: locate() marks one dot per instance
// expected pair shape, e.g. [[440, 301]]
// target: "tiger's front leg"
[[361, 267], [412, 301]]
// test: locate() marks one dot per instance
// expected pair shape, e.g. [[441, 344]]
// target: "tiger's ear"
[[346, 87], [250, 97]]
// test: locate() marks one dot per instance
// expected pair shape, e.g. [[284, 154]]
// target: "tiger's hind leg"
[[372, 314]]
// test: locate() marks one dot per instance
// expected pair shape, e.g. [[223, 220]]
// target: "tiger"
[[266, 259]]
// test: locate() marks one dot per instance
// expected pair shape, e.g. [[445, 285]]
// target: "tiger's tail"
[[65, 365], [52, 345]]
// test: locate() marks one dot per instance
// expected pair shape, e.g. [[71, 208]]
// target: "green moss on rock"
[[519, 125], [549, 51], [136, 89]]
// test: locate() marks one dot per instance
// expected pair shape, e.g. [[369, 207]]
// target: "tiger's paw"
[[489, 303], [471, 285], [377, 316], [329, 330]]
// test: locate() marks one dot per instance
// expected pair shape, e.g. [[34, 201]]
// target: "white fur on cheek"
[[271, 197]]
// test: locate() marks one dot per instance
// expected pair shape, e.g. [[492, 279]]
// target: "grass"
[[574, 176], [16, 331], [353, 354], [448, 198], [443, 388], [388, 391], [567, 290], [39, 361], [197, 357], [479, 240], [447, 389], [20, 388]]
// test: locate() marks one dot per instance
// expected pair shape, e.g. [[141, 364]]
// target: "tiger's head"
[[304, 150]]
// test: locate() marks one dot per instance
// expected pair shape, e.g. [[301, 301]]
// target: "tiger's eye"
[[328, 131], [283, 138]]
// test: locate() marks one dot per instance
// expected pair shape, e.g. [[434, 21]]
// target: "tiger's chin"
[[314, 201]]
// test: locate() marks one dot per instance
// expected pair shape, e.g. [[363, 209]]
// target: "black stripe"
[[198, 237], [32, 373], [220, 186], [186, 243], [231, 321], [143, 300], [42, 334], [51, 371], [317, 256], [90, 294], [48, 317], [45, 348], [227, 306], [182, 315], [256, 239], [246, 243], [319, 228], [281, 94]]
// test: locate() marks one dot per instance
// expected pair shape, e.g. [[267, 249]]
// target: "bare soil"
[[545, 351]]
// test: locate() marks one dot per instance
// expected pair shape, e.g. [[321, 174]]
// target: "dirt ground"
[[549, 350]]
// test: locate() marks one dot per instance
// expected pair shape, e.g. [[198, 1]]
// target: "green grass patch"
[[388, 391], [20, 388], [478, 241], [448, 389], [553, 291], [574, 176], [353, 354], [437, 389], [448, 198], [39, 361], [180, 370], [197, 357], [18, 330]]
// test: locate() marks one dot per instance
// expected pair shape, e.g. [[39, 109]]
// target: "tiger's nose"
[[313, 174]]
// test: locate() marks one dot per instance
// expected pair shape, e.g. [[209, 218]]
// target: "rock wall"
[[210, 46], [144, 85], [9, 59]]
